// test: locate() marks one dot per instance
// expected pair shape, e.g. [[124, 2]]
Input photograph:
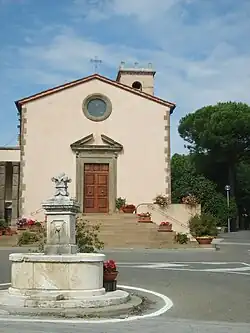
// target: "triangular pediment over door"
[[89, 143]]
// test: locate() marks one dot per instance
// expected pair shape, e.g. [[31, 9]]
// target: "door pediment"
[[88, 144]]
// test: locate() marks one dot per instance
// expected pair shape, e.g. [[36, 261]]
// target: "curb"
[[198, 249]]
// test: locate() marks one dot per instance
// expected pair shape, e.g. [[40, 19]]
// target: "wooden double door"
[[96, 188]]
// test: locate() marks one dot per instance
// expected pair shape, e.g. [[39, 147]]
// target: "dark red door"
[[96, 179]]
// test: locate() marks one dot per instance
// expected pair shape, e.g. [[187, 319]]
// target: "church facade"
[[111, 137]]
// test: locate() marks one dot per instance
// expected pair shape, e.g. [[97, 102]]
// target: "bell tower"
[[139, 78]]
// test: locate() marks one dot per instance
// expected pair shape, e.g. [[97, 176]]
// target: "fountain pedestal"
[[60, 277]]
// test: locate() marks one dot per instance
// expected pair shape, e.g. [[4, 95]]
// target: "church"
[[111, 137]]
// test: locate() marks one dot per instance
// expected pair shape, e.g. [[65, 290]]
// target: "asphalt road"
[[209, 290]]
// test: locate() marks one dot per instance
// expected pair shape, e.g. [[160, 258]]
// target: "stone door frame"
[[100, 154]]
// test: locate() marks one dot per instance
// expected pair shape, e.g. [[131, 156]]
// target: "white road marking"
[[243, 263], [237, 269], [167, 305], [183, 266], [183, 263], [161, 265], [239, 273]]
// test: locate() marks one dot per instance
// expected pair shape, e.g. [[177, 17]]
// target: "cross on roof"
[[96, 62]]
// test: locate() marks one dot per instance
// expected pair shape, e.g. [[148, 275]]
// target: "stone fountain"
[[61, 277]]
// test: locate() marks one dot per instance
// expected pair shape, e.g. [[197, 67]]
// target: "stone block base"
[[111, 305], [46, 301]]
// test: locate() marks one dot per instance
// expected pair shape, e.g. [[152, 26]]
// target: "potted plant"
[[181, 238], [109, 270], [36, 226], [203, 228], [8, 232], [165, 227], [3, 226], [161, 200], [119, 203], [31, 223], [190, 200], [22, 224], [128, 209], [144, 217], [109, 275]]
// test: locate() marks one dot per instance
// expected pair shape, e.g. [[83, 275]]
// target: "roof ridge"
[[67, 85]]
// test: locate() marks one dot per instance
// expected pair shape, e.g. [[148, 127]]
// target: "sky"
[[199, 48]]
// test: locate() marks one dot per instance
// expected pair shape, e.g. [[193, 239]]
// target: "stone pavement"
[[159, 325], [210, 292]]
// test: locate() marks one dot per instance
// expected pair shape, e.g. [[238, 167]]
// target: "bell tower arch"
[[139, 78]]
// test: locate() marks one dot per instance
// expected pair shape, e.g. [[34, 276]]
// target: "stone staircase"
[[123, 231]]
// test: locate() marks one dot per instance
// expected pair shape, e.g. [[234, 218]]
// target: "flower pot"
[[110, 276], [110, 285], [128, 210], [165, 228], [204, 240], [144, 219]]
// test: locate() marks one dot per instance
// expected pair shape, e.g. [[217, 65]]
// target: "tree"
[[186, 179], [220, 132]]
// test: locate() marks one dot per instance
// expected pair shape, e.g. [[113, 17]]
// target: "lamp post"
[[227, 188]]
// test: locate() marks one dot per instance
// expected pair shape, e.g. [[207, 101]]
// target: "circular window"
[[97, 107]]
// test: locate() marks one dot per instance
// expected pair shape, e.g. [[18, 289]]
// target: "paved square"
[[209, 290]]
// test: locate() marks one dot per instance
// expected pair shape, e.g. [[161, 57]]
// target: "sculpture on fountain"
[[61, 277], [61, 212], [61, 185]]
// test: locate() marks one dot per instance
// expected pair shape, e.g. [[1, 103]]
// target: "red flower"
[[109, 266], [30, 222], [165, 224]]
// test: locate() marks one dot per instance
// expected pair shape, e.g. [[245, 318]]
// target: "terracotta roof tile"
[[47, 92]]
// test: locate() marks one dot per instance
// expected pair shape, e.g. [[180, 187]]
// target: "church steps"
[[141, 226], [111, 217], [124, 231]]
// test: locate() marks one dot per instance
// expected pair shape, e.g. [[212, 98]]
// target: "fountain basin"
[[79, 275], [54, 282]]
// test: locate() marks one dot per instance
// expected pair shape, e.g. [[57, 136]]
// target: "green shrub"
[[27, 237], [203, 225], [87, 237], [120, 202], [3, 224], [181, 238]]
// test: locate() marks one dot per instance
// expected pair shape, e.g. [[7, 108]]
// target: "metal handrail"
[[162, 212], [37, 211]]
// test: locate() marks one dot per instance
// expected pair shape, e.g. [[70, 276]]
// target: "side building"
[[9, 183]]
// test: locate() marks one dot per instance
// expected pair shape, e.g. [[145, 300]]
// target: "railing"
[[143, 204], [36, 212], [163, 213]]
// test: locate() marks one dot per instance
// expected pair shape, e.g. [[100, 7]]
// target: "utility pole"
[[228, 188]]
